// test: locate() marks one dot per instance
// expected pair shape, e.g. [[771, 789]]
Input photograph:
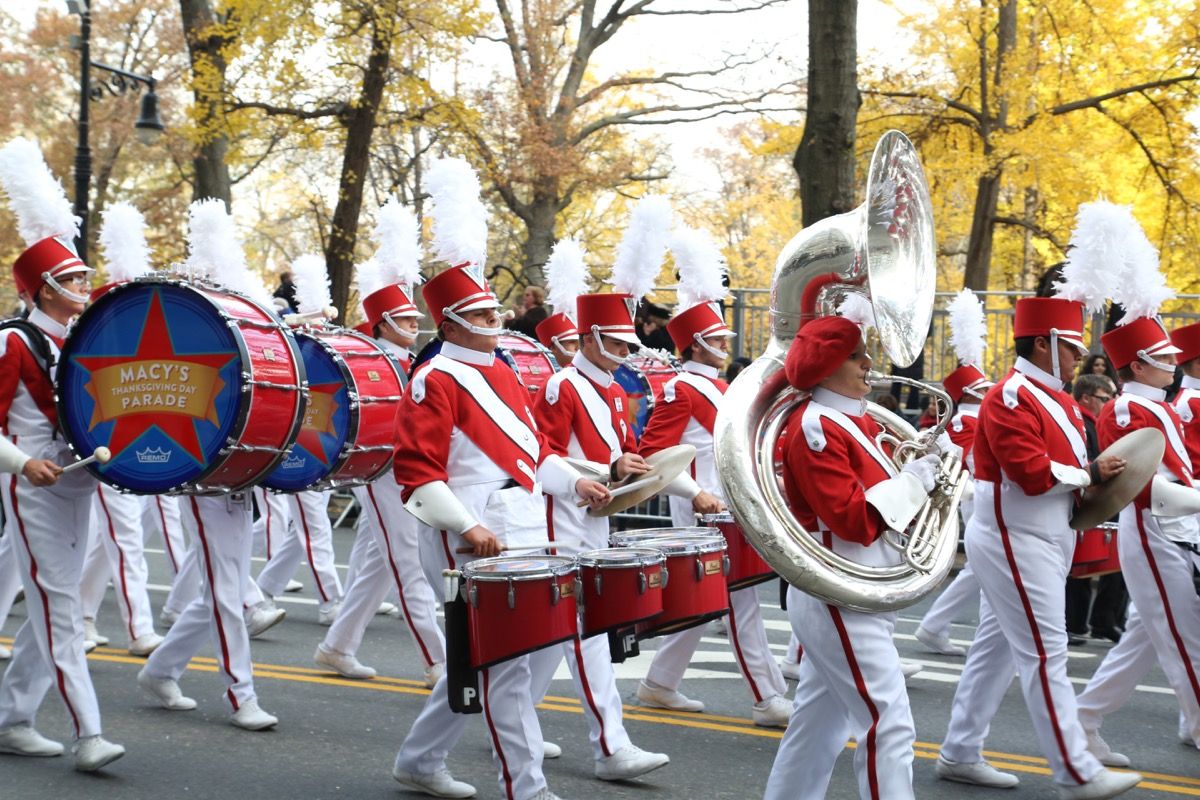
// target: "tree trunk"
[[824, 161], [539, 239], [208, 85], [979, 246], [343, 234]]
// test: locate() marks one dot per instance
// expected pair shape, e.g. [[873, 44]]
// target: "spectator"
[[735, 368], [532, 312], [286, 291], [889, 402], [1092, 391], [652, 327]]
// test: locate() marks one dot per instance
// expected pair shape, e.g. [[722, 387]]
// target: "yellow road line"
[[1172, 784]]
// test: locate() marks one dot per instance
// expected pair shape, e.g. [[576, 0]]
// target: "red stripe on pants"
[[1043, 675], [216, 610], [1162, 593], [861, 684], [487, 713], [391, 557], [737, 651], [308, 550], [587, 694], [112, 534]]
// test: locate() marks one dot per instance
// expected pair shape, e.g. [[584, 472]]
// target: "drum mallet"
[[100, 454], [507, 549]]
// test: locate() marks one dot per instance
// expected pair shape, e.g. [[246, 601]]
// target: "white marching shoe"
[[439, 784], [790, 669], [979, 773], [293, 585], [343, 664], [94, 752], [1106, 784], [91, 634], [327, 616], [387, 609], [1103, 753], [145, 644], [5, 653], [629, 762], [434, 674], [165, 691], [939, 643], [253, 718], [550, 750], [910, 668], [545, 794], [774, 712], [168, 617], [23, 740], [655, 696], [262, 617]]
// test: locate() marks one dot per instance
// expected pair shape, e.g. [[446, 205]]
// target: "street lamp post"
[[149, 125]]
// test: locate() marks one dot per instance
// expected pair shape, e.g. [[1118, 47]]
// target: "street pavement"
[[337, 738]]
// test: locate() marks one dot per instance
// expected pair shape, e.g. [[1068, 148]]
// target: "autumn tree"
[[555, 132], [1022, 110]]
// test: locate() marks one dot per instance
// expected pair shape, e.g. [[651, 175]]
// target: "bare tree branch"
[[336, 110], [1034, 228], [973, 113], [1094, 102]]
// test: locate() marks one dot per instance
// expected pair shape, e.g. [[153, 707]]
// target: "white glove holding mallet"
[[100, 454]]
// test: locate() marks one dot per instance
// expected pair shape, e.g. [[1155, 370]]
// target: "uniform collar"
[[968, 410], [839, 402], [1142, 390], [50, 326], [712, 373], [591, 371], [1190, 383], [1031, 370], [467, 355], [399, 351]]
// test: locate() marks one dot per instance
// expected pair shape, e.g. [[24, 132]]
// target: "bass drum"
[[354, 386], [194, 389], [533, 362], [643, 378]]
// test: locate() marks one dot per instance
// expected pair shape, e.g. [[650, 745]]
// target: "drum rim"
[[566, 565], [195, 486], [704, 545], [645, 557], [649, 534]]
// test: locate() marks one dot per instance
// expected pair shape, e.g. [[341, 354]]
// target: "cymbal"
[[665, 465], [1143, 451]]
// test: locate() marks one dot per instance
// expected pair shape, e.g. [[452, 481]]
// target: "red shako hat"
[[1041, 316], [610, 314], [556, 326], [51, 257], [819, 349], [458, 290], [1187, 339], [967, 379], [394, 300], [1144, 336], [702, 320]]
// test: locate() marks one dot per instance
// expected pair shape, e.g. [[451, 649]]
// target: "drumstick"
[[101, 454], [505, 548]]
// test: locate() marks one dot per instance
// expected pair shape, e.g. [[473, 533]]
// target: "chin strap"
[[1054, 351], [1146, 358], [450, 315], [600, 343], [58, 287], [698, 339], [558, 346], [407, 336]]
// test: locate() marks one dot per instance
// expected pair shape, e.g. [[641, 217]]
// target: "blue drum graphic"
[[643, 377], [160, 373]]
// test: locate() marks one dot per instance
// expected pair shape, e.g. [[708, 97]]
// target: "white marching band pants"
[[220, 529], [507, 696], [850, 686], [116, 552], [961, 592], [1021, 562], [1163, 626], [391, 563], [313, 542], [49, 540]]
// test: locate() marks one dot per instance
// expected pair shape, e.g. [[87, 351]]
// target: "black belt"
[[509, 484]]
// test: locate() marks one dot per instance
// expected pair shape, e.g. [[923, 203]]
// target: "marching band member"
[[1187, 402], [566, 280], [471, 460], [1030, 460], [686, 416], [1158, 533], [219, 527], [966, 386], [582, 412], [47, 516], [842, 486], [393, 562]]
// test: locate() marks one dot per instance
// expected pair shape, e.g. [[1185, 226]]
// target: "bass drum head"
[[152, 372], [318, 448]]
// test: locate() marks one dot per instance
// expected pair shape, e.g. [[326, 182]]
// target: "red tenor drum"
[[516, 605], [746, 566], [621, 587], [643, 377], [349, 426], [533, 362], [1096, 552], [695, 590], [194, 389]]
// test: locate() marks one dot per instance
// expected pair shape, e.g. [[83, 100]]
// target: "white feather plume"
[[397, 234], [640, 253], [369, 278], [566, 275], [701, 267], [1141, 288], [968, 327], [123, 240], [1096, 258], [215, 251], [312, 283], [857, 308], [459, 216], [34, 194]]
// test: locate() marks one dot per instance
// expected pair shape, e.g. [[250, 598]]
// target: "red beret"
[[819, 349]]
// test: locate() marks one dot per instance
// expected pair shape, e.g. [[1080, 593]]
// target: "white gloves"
[[946, 445], [925, 470]]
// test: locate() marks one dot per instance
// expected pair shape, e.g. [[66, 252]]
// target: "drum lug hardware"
[[473, 594], [555, 593], [512, 594], [666, 576], [725, 565], [579, 589], [643, 582], [599, 581], [699, 569]]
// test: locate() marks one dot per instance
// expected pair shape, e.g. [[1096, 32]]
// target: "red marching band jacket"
[[686, 415], [581, 418], [1187, 406], [1130, 412], [26, 391], [962, 431]]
